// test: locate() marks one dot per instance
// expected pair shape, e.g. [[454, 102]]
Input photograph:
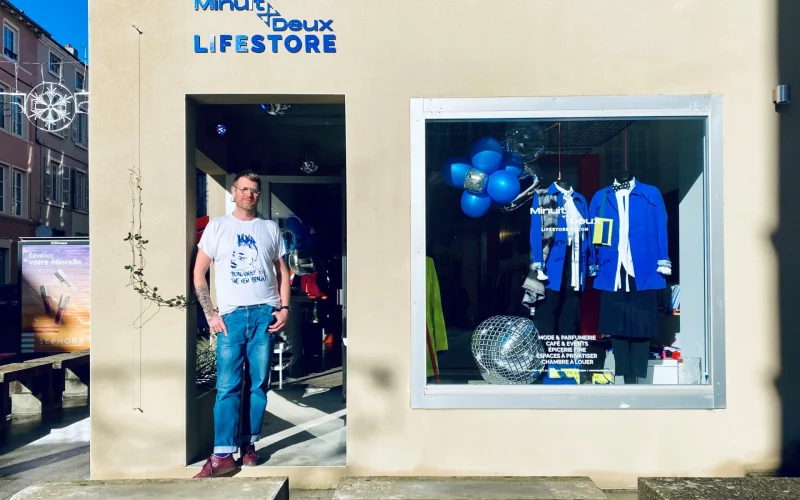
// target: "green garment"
[[436, 339]]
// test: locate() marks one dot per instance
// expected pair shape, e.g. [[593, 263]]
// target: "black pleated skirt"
[[631, 314]]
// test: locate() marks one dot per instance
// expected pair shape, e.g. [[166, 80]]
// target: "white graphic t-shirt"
[[243, 253]]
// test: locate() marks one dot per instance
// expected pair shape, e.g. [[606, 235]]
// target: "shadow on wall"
[[786, 238]]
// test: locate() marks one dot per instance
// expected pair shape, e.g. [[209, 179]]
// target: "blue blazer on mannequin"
[[647, 235], [554, 267]]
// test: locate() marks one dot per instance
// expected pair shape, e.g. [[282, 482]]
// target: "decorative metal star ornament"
[[50, 106]]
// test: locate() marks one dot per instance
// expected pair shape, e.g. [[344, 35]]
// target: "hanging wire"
[[557, 124], [77, 63], [559, 150], [625, 150]]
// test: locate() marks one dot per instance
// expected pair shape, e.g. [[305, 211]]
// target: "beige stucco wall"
[[388, 52]]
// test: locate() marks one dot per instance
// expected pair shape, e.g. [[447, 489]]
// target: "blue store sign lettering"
[[314, 36]]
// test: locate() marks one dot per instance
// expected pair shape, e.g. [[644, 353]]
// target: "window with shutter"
[[10, 42], [65, 184], [79, 191], [3, 170], [17, 118], [48, 181], [3, 111], [18, 193]]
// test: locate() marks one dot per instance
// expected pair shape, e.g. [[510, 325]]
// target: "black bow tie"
[[621, 185]]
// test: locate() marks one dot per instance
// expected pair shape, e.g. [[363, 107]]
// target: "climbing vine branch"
[[138, 243]]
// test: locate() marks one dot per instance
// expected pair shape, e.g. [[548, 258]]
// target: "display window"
[[567, 253]]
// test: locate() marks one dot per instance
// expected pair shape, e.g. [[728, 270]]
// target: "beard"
[[247, 205]]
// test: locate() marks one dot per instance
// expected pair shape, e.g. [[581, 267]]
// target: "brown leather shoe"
[[249, 455], [216, 466]]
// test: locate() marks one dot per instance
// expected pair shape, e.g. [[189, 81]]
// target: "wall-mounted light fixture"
[[782, 94]]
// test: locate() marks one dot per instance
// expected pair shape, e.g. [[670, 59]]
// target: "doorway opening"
[[296, 144]]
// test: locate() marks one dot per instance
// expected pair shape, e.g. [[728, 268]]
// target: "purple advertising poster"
[[55, 295]]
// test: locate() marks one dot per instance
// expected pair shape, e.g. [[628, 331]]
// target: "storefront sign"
[[54, 279], [285, 34]]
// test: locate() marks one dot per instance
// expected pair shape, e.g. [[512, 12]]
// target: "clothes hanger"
[[625, 175]]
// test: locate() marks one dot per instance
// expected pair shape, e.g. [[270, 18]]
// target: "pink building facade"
[[19, 177], [43, 175]]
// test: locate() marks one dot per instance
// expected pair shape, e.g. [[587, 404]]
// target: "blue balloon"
[[503, 186], [487, 154], [512, 163], [475, 205], [454, 171]]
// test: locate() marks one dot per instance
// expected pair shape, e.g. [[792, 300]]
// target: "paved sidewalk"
[[310, 494], [39, 452]]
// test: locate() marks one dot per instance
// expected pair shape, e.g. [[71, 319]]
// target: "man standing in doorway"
[[253, 289]]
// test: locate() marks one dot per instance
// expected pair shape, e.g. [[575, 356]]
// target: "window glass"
[[566, 252], [55, 65], [81, 200], [52, 181], [4, 264], [65, 184], [17, 119], [3, 111], [2, 188], [17, 197], [10, 49]]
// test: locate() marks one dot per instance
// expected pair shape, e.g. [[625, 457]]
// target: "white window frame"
[[16, 49], [56, 176], [5, 105], [81, 122], [63, 133], [17, 111], [3, 184], [580, 397], [66, 185], [8, 192], [24, 199], [58, 74], [12, 111]]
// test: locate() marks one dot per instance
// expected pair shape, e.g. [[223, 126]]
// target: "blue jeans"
[[247, 338]]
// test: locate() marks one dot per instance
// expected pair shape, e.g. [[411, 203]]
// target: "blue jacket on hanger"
[[647, 235], [554, 267]]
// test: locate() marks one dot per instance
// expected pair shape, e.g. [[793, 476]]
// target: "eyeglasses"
[[255, 192]]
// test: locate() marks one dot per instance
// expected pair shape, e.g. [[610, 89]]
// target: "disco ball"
[[507, 350], [300, 263], [221, 129], [309, 167], [526, 140], [276, 109]]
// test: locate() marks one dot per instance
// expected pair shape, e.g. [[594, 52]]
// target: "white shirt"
[[243, 253], [574, 224], [625, 259]]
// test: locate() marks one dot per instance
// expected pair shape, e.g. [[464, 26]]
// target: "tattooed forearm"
[[204, 298]]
